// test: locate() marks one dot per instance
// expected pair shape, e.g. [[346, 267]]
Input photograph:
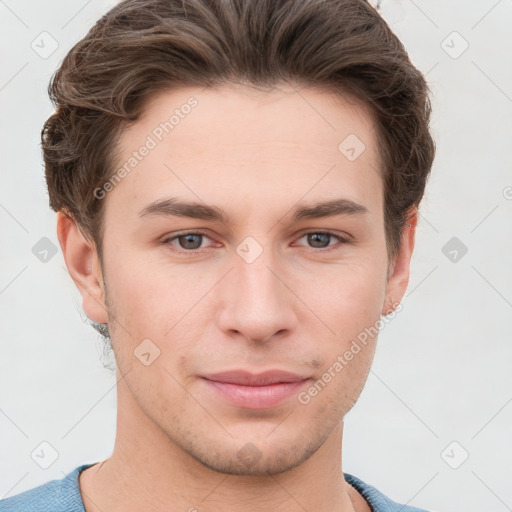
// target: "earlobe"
[[83, 265], [398, 278]]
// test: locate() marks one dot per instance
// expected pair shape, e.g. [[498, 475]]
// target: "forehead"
[[237, 143], [237, 114]]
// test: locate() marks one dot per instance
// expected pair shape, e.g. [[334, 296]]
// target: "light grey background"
[[442, 369]]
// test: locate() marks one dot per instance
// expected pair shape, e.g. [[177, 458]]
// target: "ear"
[[398, 277], [84, 267]]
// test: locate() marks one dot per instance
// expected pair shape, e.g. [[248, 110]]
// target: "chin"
[[250, 461], [255, 457]]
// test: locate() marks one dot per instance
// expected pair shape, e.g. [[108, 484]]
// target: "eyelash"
[[342, 240]]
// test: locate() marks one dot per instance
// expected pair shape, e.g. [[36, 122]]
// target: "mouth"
[[255, 391]]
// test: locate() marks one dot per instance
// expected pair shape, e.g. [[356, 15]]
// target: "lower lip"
[[255, 397]]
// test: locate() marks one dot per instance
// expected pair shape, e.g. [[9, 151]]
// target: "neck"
[[147, 468]]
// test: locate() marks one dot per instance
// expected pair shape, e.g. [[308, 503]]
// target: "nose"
[[256, 300]]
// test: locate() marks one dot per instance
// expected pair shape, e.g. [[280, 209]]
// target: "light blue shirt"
[[63, 495]]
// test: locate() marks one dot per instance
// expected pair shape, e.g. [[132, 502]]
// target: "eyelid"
[[339, 234], [173, 236]]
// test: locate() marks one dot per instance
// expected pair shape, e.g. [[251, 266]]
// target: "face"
[[255, 275]]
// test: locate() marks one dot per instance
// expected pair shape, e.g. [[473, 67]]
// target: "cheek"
[[346, 361], [347, 298], [159, 303], [362, 300], [349, 303], [149, 299]]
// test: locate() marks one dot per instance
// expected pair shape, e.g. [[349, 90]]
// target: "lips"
[[254, 391], [245, 378]]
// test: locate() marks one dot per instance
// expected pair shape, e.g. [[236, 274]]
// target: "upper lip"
[[250, 379]]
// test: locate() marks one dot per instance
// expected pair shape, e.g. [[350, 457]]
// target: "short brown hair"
[[141, 47]]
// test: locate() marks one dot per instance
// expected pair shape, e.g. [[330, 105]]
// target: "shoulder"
[[378, 501], [62, 495]]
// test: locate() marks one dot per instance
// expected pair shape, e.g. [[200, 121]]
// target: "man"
[[237, 185]]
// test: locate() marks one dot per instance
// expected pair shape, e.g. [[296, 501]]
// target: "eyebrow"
[[173, 207]]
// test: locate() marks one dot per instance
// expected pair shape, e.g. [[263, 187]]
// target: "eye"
[[320, 239], [189, 242]]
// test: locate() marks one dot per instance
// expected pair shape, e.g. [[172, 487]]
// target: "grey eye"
[[190, 241], [319, 240]]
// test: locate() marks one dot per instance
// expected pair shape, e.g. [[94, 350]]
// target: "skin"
[[257, 155]]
